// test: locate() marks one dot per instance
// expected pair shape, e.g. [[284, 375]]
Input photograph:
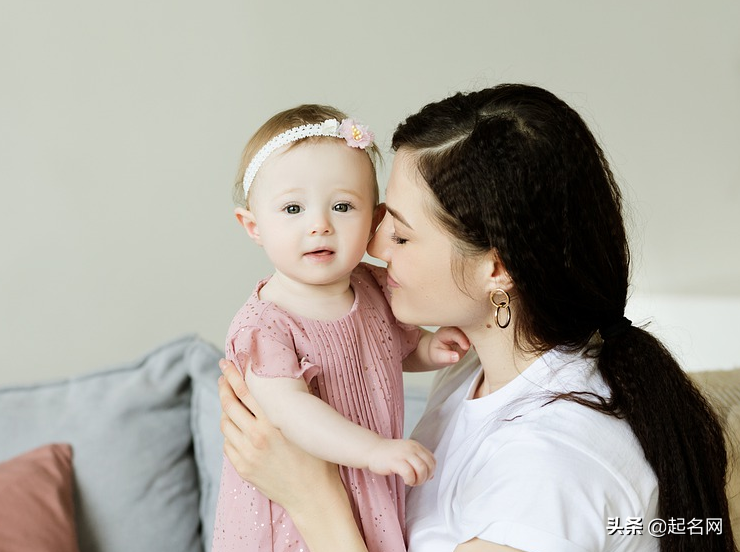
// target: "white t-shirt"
[[516, 471]]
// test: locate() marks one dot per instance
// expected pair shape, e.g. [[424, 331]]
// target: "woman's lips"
[[391, 282]]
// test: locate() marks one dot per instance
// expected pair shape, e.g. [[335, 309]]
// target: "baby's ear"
[[247, 219]]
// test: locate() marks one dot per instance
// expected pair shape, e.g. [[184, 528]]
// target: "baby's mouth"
[[320, 253]]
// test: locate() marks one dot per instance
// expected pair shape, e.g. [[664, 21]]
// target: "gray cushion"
[[207, 439], [136, 475]]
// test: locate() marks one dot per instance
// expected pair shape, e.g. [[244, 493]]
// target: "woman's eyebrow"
[[396, 215]]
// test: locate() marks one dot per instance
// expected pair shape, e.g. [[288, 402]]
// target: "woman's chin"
[[405, 315]]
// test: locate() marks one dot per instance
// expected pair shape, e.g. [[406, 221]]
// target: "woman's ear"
[[496, 274], [247, 219]]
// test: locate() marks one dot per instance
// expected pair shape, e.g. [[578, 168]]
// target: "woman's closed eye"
[[395, 238]]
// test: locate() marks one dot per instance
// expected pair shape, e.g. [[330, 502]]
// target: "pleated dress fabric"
[[352, 363]]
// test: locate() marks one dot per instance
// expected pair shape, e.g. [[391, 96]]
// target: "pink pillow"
[[36, 501]]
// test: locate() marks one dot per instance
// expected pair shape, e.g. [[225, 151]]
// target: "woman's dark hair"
[[516, 171]]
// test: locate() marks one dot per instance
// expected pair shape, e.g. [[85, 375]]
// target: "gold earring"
[[503, 304]]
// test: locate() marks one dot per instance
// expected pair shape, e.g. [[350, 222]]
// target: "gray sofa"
[[146, 447], [147, 450]]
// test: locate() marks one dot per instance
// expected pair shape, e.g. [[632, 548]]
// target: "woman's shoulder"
[[561, 478], [538, 432], [565, 448], [563, 435], [568, 459], [549, 419]]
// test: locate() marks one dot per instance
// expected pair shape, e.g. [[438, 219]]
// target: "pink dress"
[[353, 364]]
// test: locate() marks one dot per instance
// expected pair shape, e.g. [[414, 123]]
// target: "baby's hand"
[[448, 345], [414, 463]]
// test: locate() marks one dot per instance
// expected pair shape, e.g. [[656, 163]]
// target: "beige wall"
[[121, 124]]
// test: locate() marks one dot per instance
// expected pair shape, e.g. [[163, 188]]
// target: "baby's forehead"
[[325, 165], [320, 150]]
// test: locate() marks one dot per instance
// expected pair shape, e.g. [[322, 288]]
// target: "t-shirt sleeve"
[[539, 497], [408, 334], [269, 353]]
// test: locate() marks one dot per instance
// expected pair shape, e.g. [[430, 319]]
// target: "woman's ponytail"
[[679, 432], [515, 170]]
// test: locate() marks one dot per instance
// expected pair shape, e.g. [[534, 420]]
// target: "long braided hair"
[[514, 169]]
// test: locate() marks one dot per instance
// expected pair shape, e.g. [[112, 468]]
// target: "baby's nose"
[[321, 225]]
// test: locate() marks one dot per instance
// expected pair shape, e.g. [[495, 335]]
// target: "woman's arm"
[[321, 431], [280, 470], [477, 545]]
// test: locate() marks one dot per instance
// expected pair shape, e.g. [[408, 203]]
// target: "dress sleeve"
[[408, 334], [271, 353]]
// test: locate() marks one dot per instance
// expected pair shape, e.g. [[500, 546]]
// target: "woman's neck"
[[501, 359], [318, 302]]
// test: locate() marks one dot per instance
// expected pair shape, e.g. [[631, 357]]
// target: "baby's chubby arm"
[[436, 350], [323, 432]]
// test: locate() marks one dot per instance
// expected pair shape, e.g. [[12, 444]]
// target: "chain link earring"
[[500, 305]]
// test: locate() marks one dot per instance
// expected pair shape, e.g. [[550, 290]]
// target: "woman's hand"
[[304, 485], [258, 451]]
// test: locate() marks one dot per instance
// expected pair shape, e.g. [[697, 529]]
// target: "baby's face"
[[313, 204]]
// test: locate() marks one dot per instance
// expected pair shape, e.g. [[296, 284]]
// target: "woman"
[[568, 423]]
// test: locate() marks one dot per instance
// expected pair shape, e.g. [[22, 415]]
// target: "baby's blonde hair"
[[285, 120]]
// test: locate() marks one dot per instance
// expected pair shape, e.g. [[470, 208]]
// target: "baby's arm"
[[436, 350], [320, 430]]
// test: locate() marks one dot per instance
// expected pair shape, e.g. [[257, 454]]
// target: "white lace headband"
[[356, 135]]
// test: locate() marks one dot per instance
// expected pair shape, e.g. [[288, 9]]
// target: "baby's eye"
[[292, 209], [343, 207]]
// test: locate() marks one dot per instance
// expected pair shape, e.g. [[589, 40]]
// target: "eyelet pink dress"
[[353, 364]]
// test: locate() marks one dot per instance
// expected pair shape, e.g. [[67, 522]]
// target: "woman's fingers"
[[232, 434], [239, 387], [247, 441], [234, 379], [233, 408], [237, 459]]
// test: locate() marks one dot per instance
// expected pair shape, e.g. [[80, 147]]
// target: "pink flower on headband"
[[356, 135]]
